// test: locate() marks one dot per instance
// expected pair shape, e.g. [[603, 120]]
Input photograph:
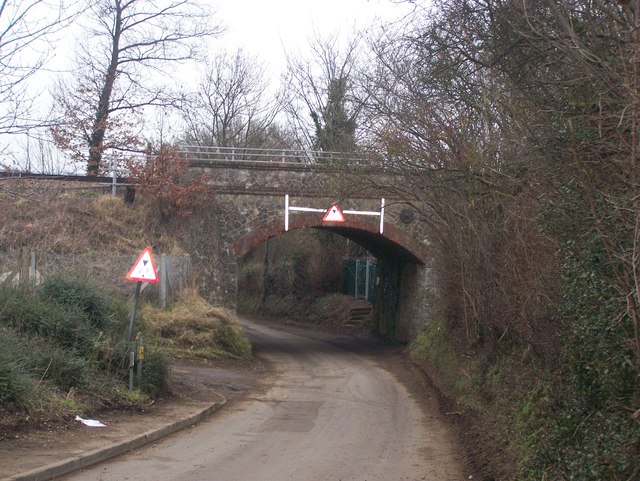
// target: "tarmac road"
[[331, 413]]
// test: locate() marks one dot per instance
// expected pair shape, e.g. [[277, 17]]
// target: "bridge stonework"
[[249, 208]]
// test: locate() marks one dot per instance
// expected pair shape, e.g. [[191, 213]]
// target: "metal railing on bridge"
[[199, 153]]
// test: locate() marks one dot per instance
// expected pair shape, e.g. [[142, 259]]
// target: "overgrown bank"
[[65, 351], [64, 347], [529, 186], [526, 417], [65, 354], [544, 376]]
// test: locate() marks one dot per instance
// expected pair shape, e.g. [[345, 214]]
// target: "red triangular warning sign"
[[334, 214], [144, 270]]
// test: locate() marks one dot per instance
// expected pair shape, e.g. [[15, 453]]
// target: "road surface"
[[331, 412]]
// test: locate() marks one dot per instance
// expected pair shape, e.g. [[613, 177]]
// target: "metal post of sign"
[[382, 216], [144, 270], [131, 364], [140, 351], [134, 308], [132, 322]]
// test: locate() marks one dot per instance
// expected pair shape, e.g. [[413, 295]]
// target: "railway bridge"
[[260, 194]]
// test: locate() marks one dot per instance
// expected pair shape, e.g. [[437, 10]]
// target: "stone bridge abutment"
[[249, 209]]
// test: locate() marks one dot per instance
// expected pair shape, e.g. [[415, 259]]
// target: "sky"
[[268, 28]]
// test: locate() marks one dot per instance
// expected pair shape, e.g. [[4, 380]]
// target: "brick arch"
[[395, 242]]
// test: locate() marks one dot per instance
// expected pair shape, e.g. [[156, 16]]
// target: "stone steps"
[[360, 314]]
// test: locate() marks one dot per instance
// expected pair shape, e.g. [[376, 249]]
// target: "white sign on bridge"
[[333, 213]]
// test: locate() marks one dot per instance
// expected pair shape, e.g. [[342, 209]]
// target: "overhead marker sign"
[[144, 270], [333, 214]]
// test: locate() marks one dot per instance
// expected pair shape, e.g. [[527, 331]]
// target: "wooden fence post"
[[32, 272], [24, 268], [164, 280]]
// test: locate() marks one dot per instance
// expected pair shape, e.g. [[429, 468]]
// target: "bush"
[[35, 316], [164, 177], [76, 295], [231, 338], [35, 375], [14, 379], [155, 373], [503, 400], [67, 339], [250, 280], [64, 368], [281, 306], [595, 436], [194, 329], [291, 276]]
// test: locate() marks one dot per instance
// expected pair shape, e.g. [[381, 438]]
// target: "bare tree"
[[321, 101], [131, 47], [443, 119], [25, 29], [232, 106]]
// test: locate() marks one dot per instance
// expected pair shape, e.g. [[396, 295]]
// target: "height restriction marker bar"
[[330, 215]]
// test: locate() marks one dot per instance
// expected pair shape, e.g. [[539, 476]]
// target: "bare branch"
[[25, 29], [232, 105]]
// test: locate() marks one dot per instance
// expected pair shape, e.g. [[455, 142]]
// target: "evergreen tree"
[[335, 127]]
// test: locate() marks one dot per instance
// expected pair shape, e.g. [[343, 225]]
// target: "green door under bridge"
[[360, 277]]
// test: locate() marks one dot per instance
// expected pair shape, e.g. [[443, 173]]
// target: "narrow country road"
[[331, 413]]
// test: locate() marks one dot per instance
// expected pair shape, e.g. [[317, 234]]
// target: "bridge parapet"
[[198, 154], [300, 179], [257, 193]]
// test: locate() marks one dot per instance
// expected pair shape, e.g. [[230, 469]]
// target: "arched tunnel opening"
[[300, 275], [395, 272]]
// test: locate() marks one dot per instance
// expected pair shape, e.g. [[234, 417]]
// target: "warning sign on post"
[[334, 214], [144, 270]]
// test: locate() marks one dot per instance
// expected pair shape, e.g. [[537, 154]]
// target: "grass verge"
[[193, 329]]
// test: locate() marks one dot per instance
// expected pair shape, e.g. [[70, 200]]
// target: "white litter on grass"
[[91, 422]]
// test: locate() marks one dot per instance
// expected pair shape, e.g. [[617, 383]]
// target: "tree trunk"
[[99, 128]]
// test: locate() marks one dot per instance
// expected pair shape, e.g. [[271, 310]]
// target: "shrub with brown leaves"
[[164, 177]]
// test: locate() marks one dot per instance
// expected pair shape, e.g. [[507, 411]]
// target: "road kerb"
[[99, 455]]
